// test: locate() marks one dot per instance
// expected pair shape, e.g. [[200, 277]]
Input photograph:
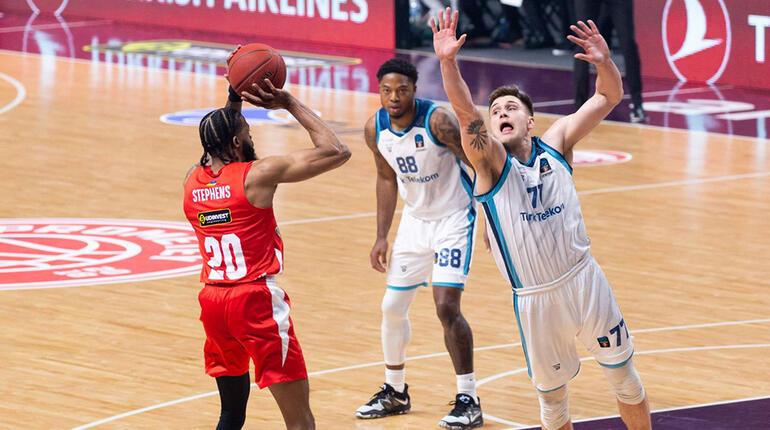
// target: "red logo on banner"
[[54, 253], [696, 39]]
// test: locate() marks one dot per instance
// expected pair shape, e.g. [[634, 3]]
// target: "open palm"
[[594, 46], [445, 43]]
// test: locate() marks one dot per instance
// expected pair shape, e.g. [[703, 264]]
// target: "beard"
[[248, 153]]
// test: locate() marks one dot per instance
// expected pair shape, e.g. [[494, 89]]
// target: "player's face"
[[509, 119], [396, 94], [246, 144]]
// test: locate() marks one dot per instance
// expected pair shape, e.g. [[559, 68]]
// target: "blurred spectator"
[[536, 33], [621, 14]]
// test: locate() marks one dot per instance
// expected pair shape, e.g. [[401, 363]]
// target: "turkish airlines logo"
[[696, 39]]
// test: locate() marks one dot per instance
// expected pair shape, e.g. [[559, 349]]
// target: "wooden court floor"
[[682, 231]]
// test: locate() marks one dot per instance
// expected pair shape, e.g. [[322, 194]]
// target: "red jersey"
[[239, 243]]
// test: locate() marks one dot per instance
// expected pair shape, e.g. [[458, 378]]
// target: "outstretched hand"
[[594, 46], [267, 96], [445, 42]]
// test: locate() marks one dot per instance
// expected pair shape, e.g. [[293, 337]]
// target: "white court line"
[[676, 408], [566, 102], [53, 26], [651, 352], [608, 190], [675, 183], [21, 93], [414, 358]]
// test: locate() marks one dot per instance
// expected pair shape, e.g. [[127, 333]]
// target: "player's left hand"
[[272, 98], [592, 42], [445, 43]]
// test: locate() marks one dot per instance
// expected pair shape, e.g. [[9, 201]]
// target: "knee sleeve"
[[396, 331], [554, 408], [626, 383]]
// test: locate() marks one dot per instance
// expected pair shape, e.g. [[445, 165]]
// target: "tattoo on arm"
[[448, 131], [479, 133]]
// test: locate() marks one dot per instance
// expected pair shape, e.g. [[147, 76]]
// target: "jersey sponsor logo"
[[419, 142], [604, 341], [545, 167], [254, 116], [212, 192], [542, 216], [696, 39], [412, 179], [220, 216], [70, 252], [597, 158]]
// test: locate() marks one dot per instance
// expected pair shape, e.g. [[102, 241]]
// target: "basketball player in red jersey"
[[228, 199]]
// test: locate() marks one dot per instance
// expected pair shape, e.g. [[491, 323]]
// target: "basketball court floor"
[[98, 285]]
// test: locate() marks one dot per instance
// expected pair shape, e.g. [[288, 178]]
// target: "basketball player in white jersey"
[[538, 238], [417, 152]]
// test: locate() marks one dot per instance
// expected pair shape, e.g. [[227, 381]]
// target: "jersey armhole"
[[500, 181], [428, 131]]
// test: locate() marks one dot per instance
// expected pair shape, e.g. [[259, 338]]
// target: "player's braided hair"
[[217, 130]]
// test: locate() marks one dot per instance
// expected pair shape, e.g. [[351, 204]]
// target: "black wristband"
[[233, 96]]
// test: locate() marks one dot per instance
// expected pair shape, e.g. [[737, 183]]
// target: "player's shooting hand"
[[379, 255], [268, 96], [592, 42], [445, 43]]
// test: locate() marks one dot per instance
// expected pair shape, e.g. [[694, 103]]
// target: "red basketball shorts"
[[250, 321]]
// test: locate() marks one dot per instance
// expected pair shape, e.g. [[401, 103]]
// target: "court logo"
[[599, 158], [221, 216], [254, 116], [696, 39], [70, 252]]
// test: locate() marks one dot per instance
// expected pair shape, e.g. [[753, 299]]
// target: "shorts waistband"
[[259, 281], [558, 282]]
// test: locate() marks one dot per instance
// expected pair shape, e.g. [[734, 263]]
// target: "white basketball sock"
[[466, 384], [396, 379]]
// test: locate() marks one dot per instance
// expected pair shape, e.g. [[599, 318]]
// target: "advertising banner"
[[361, 23], [708, 41]]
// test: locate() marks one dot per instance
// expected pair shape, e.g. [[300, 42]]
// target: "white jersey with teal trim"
[[535, 224], [431, 179]]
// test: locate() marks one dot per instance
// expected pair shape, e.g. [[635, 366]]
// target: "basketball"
[[254, 63]]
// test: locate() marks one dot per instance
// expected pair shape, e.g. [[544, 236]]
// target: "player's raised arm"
[[387, 196], [486, 155], [328, 152], [567, 131]]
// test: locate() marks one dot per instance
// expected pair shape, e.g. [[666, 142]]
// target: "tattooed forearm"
[[479, 133]]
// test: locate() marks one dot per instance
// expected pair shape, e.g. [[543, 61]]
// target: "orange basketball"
[[253, 63]]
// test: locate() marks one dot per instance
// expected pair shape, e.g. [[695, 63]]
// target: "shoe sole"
[[372, 417], [460, 427]]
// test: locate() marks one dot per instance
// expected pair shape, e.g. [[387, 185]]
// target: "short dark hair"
[[400, 66], [512, 90], [217, 130]]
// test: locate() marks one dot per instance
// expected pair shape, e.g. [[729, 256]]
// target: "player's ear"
[[236, 142], [530, 123]]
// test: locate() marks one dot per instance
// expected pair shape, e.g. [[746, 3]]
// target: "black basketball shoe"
[[386, 402], [465, 415]]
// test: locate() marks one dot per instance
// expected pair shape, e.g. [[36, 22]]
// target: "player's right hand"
[[445, 43], [268, 97], [379, 255]]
